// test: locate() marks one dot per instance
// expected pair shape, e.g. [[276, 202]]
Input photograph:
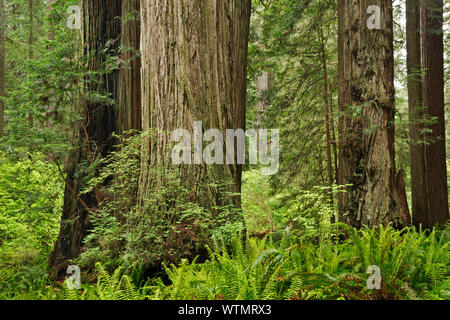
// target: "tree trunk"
[[129, 106], [101, 32], [342, 85], [327, 117], [416, 112], [30, 30], [367, 100], [2, 67], [30, 45], [334, 143], [194, 59], [264, 83], [434, 169]]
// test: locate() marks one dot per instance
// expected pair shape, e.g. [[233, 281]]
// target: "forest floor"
[[302, 260]]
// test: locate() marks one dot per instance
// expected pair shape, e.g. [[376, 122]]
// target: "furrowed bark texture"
[[416, 111], [129, 104], [434, 162], [366, 97], [194, 59], [101, 26]]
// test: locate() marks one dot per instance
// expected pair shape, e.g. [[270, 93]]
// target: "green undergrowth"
[[414, 265]]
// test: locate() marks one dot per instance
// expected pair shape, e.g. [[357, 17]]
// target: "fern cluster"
[[414, 265], [115, 286]]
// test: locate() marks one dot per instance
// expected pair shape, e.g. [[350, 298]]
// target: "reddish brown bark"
[[194, 59], [101, 26], [366, 98], [435, 210]]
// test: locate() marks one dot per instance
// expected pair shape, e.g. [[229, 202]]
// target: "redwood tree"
[[416, 110], [366, 98], [428, 158], [194, 59], [93, 139]]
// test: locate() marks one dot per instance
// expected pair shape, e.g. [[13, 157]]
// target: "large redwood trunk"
[[366, 98], [101, 26], [194, 59], [434, 208]]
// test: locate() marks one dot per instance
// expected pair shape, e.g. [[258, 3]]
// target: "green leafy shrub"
[[301, 210], [30, 205], [167, 229]]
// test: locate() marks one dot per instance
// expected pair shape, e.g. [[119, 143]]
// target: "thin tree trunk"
[[263, 81], [334, 144], [263, 84], [327, 118], [367, 159], [435, 166], [342, 86], [52, 107], [30, 44], [416, 112], [30, 30]]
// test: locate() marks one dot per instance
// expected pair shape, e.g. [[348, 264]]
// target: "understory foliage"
[[290, 250], [30, 204], [414, 265], [167, 229]]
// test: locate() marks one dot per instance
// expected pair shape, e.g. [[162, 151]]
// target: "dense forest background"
[[91, 91]]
